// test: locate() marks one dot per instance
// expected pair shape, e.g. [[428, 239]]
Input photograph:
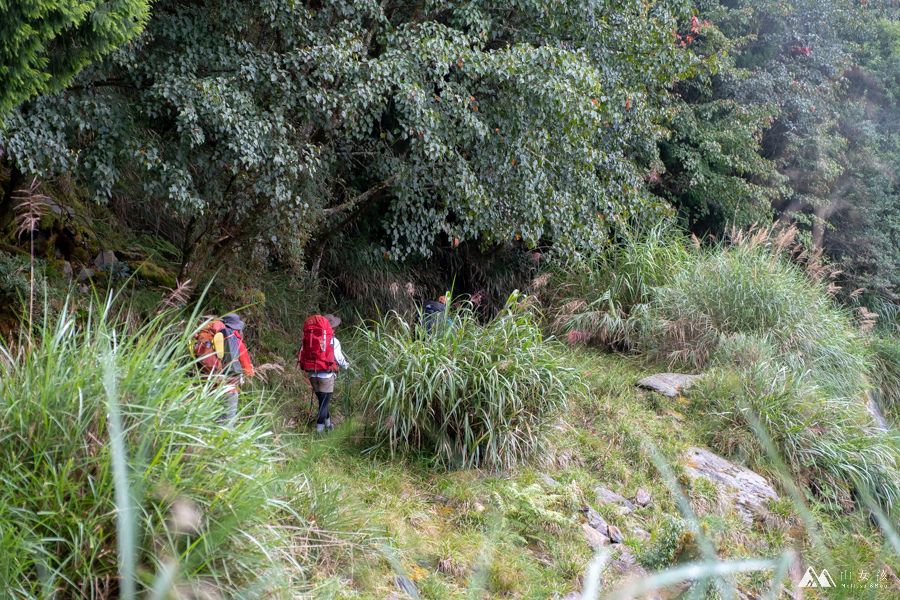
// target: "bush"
[[828, 443], [205, 497], [471, 394], [597, 299], [663, 548], [15, 285], [729, 292]]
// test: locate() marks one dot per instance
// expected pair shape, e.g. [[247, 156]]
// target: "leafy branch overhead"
[[44, 44], [489, 124]]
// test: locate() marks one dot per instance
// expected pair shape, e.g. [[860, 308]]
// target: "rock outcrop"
[[750, 491], [669, 384], [607, 496]]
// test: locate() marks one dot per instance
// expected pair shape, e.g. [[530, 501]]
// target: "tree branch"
[[349, 204]]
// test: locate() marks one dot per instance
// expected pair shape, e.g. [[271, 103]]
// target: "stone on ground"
[[594, 538], [749, 491], [547, 480], [106, 257], [615, 536], [642, 498], [875, 411], [596, 521], [607, 496], [641, 535], [669, 384]]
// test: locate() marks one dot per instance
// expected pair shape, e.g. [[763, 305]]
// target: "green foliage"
[[749, 288], [283, 123], [15, 284], [829, 443], [469, 394], [43, 44], [597, 298], [533, 508], [710, 165], [206, 498], [660, 553], [886, 372]]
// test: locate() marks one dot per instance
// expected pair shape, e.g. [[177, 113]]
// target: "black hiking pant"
[[324, 415]]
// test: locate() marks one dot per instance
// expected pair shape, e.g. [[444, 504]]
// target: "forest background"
[[704, 184], [321, 139]]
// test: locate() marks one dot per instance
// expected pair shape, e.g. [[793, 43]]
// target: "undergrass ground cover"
[[517, 534], [204, 505], [268, 510]]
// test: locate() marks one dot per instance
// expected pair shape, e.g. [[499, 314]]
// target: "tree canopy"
[[281, 126], [44, 44]]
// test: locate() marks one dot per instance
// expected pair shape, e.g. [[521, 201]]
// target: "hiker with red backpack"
[[220, 349], [320, 355]]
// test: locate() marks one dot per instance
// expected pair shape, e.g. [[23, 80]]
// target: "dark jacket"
[[433, 315]]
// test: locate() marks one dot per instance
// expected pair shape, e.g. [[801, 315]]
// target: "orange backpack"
[[209, 356]]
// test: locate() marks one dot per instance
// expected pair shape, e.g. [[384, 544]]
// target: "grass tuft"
[[469, 394]]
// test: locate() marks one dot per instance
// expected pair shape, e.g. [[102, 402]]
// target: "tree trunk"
[[7, 209]]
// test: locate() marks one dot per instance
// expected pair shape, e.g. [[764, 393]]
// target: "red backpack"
[[317, 353], [204, 348]]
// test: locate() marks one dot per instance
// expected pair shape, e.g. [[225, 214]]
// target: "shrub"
[[205, 497], [828, 443], [730, 292], [15, 285], [599, 297], [660, 553], [471, 394]]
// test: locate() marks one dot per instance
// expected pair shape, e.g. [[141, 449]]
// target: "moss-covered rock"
[[152, 273], [81, 255]]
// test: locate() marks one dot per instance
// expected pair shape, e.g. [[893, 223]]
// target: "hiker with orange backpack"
[[220, 349], [320, 355]]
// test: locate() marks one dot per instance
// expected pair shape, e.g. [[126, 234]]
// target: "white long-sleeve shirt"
[[338, 357]]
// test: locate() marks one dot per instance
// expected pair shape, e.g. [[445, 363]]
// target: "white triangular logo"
[[809, 580], [825, 579]]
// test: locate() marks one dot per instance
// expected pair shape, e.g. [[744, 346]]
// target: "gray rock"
[[642, 535], [407, 586], [750, 491], [547, 480], [607, 496], [875, 411], [615, 536], [106, 257], [669, 384], [82, 289], [642, 498], [596, 521], [85, 275], [629, 572], [572, 596], [627, 557], [68, 273], [594, 538]]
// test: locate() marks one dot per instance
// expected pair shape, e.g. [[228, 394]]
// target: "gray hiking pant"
[[230, 409]]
